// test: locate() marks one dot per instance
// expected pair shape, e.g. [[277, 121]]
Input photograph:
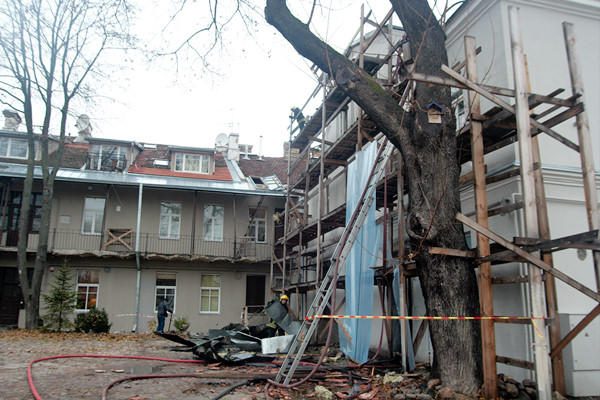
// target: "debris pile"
[[509, 388]]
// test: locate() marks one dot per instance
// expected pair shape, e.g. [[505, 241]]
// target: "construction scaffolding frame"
[[310, 171]]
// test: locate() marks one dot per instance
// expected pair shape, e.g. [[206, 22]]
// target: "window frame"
[[87, 285], [182, 159], [253, 224], [9, 147], [106, 148], [93, 232], [156, 287], [170, 215], [211, 289], [205, 221]]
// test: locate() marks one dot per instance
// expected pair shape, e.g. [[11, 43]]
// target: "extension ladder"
[[329, 283]]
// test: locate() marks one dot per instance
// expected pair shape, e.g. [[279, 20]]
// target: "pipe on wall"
[[138, 265]]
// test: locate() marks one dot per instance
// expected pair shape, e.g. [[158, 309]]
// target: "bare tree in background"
[[48, 51]]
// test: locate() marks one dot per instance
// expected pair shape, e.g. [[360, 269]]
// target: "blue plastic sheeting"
[[355, 336]]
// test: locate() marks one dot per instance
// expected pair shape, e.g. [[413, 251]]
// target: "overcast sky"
[[256, 78]]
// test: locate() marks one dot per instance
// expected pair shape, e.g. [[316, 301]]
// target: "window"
[[166, 287], [257, 228], [210, 294], [14, 148], [108, 158], [213, 223], [199, 163], [93, 214], [170, 220], [87, 290]]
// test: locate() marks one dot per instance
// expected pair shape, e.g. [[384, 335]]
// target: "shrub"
[[93, 321], [181, 324]]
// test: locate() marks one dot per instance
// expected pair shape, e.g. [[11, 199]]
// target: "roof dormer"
[[193, 161]]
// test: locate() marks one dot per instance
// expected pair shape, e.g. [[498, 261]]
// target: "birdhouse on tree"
[[434, 113]]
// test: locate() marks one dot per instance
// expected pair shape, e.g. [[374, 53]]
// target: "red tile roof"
[[144, 164], [266, 166]]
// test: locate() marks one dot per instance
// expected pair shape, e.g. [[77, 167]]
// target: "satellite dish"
[[221, 142]]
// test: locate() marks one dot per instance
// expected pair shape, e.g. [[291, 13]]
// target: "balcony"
[[152, 246]]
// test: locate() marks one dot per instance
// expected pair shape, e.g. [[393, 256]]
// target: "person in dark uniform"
[[162, 311]]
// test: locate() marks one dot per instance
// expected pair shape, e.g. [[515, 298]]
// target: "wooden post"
[[536, 286], [361, 64], [402, 311], [558, 371], [585, 141], [321, 179], [486, 300]]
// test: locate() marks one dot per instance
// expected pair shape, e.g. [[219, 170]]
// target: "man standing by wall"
[[162, 311]]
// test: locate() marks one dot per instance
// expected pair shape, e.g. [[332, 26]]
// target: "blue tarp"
[[355, 336]]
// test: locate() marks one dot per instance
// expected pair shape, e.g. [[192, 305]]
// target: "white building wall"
[[541, 26]]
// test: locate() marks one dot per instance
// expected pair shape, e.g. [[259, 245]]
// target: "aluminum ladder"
[[328, 285]]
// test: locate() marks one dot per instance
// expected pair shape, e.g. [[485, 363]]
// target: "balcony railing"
[[185, 245]]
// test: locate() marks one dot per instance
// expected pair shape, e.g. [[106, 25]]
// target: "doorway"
[[10, 296], [255, 293]]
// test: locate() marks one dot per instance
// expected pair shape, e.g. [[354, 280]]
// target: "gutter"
[[138, 263]]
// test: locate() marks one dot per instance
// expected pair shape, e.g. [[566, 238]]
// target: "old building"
[[141, 222]]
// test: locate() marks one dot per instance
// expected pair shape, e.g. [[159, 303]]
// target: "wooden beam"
[[420, 335], [509, 280], [451, 252], [528, 257], [488, 95], [461, 64], [585, 141], [440, 80], [488, 337], [340, 163], [515, 362], [316, 139], [575, 331]]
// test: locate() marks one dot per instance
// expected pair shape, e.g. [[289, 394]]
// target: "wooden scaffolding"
[[299, 255]]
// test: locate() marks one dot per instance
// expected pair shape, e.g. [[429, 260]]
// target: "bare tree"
[[49, 50], [429, 152]]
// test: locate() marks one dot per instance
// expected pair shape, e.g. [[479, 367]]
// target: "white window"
[[213, 222], [166, 288], [210, 294], [258, 225], [108, 158], [93, 214], [170, 220], [199, 163], [14, 148], [88, 283]]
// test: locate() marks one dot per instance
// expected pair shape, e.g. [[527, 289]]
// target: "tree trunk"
[[429, 153], [41, 258], [22, 243]]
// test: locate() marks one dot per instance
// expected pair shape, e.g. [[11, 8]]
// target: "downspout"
[[138, 265]]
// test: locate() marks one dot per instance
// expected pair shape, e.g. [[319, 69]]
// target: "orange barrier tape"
[[424, 317]]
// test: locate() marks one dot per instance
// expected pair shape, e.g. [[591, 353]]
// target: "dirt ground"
[[85, 378]]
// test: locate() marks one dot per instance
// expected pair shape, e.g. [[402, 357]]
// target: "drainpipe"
[[138, 278]]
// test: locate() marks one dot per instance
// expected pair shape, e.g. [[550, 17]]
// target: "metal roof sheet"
[[130, 179]]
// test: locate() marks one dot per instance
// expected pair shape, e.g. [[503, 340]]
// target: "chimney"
[[260, 154], [84, 128], [233, 149], [12, 120], [295, 151]]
